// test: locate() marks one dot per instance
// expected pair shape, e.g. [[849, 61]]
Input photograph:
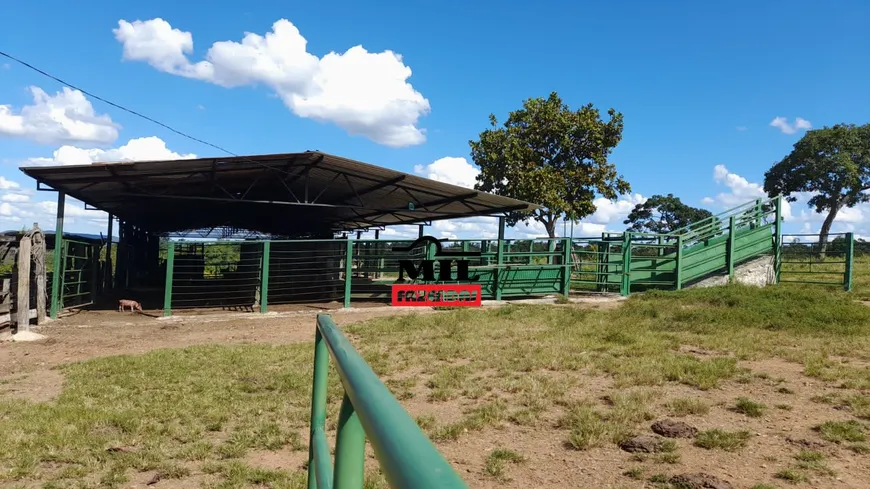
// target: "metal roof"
[[280, 194]]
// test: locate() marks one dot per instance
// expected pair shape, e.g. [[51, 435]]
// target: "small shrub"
[[841, 431], [724, 440], [792, 475], [495, 462], [685, 406], [749, 408]]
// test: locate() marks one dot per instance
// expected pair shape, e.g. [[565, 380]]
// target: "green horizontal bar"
[[814, 272], [839, 284], [408, 458]]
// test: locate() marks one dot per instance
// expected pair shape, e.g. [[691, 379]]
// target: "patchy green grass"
[[177, 411], [749, 407], [792, 476], [842, 431], [685, 406], [813, 461], [498, 459], [591, 425], [729, 441]]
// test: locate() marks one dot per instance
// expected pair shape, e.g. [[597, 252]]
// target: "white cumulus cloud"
[[6, 184], [783, 125], [65, 117], [450, 169], [362, 92], [139, 149]]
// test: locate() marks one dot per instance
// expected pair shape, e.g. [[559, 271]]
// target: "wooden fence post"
[[38, 242], [22, 302]]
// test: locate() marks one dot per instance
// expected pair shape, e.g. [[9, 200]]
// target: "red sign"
[[450, 295]]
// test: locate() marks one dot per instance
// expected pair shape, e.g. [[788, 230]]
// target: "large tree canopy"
[[662, 214], [547, 154], [833, 164]]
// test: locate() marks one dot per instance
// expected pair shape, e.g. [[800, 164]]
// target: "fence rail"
[[408, 459]]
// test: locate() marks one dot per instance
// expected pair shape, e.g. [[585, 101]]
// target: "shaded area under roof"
[[281, 194]]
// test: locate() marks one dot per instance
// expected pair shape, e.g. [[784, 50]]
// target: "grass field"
[[775, 380]]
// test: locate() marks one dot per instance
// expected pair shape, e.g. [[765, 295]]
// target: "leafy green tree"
[[833, 163], [547, 154], [662, 214]]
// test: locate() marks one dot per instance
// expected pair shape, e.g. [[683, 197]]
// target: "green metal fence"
[[368, 412], [803, 262], [253, 275]]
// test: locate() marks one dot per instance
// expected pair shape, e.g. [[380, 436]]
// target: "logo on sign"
[[454, 294]]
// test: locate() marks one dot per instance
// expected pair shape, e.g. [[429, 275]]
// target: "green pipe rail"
[[408, 459]]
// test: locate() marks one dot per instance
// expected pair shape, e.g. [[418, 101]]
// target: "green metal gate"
[[79, 275]]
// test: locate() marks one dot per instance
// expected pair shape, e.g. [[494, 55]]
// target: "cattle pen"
[[253, 233], [299, 230]]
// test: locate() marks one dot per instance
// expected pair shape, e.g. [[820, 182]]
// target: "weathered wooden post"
[[38, 243], [22, 300]]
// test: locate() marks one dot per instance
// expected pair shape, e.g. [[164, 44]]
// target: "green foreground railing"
[[408, 459]]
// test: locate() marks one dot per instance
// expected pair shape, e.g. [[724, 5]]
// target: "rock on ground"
[[699, 481], [642, 444], [674, 429], [27, 336]]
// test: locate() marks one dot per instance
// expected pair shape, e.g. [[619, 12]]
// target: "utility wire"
[[176, 131]]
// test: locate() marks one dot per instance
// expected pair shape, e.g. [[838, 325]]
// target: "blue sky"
[[699, 84]]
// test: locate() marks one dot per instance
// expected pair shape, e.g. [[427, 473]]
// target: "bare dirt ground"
[[784, 432]]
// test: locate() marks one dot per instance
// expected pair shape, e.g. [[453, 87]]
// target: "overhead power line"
[[121, 107]]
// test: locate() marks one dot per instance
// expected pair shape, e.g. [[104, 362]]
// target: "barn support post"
[[22, 300], [119, 255], [378, 254], [348, 272], [420, 231], [58, 257], [107, 276], [167, 291], [264, 277], [499, 259]]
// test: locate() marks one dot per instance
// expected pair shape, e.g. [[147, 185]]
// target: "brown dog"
[[124, 303]]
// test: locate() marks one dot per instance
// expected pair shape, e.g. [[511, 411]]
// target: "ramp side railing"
[[408, 459]]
